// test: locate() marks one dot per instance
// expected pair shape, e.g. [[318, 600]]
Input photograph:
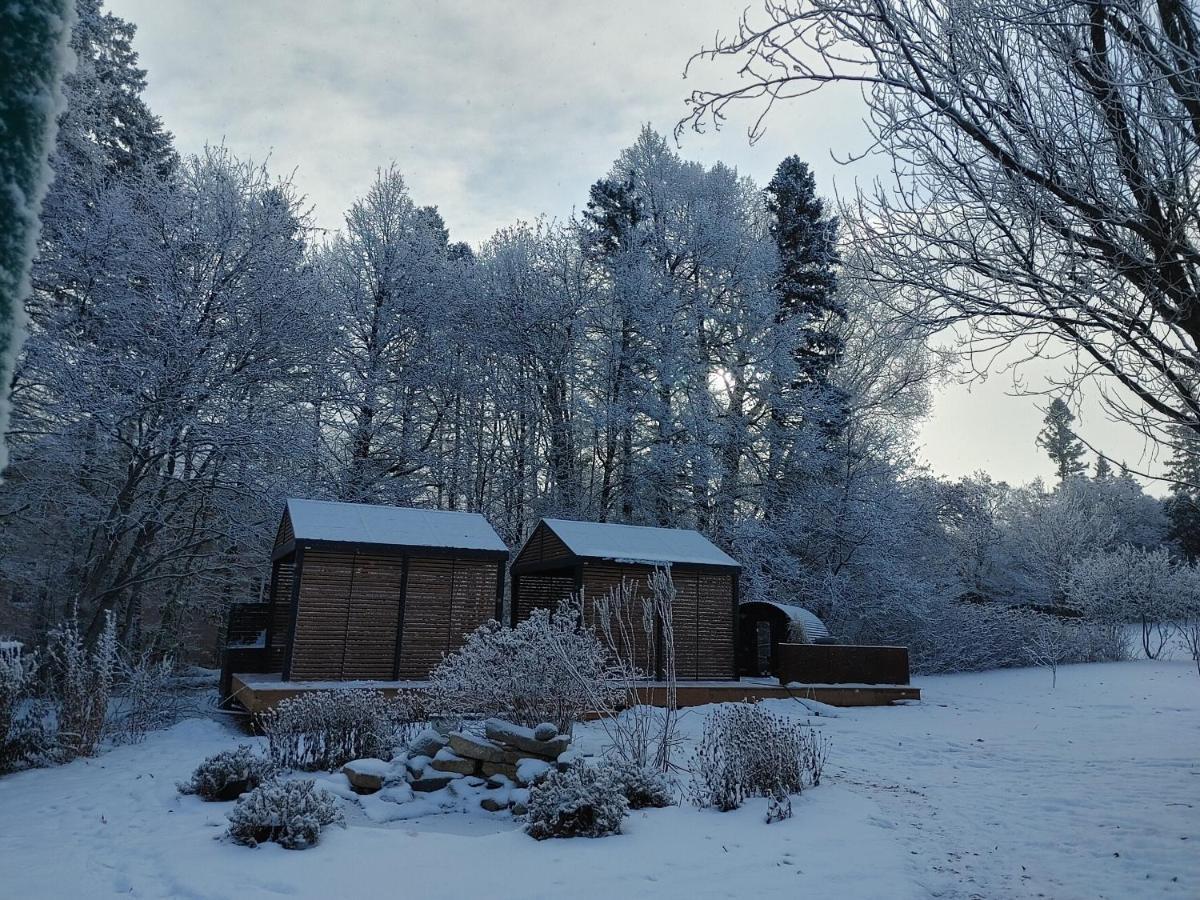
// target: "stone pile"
[[522, 755]]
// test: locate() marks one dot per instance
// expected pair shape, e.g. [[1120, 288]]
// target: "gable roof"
[[398, 526], [639, 543]]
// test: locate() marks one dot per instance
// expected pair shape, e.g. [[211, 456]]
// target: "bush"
[[228, 774], [580, 802], [83, 684], [326, 729], [146, 699], [25, 738], [642, 787], [748, 752], [550, 668], [290, 813]]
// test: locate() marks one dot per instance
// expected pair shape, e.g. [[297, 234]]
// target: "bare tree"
[[1046, 187]]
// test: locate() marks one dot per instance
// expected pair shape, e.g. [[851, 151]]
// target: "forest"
[[690, 349]]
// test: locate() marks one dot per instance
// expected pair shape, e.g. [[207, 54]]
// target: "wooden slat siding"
[[543, 546], [427, 601], [370, 641], [685, 618], [717, 626], [281, 607], [598, 580], [474, 599], [284, 534], [324, 603], [542, 590]]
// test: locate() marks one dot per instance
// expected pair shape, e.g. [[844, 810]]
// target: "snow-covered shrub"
[[644, 788], [746, 751], [228, 774], [1129, 584], [83, 684], [549, 668], [145, 699], [290, 813], [580, 802], [25, 738], [326, 729]]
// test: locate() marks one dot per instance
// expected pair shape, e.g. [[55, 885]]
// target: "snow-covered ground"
[[995, 786]]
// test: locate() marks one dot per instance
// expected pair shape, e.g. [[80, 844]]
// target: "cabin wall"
[[445, 600], [543, 546], [347, 616], [702, 616], [280, 615]]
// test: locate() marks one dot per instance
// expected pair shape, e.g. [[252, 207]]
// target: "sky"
[[498, 112]]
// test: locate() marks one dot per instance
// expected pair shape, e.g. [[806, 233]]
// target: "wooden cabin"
[[369, 593], [766, 624], [561, 558]]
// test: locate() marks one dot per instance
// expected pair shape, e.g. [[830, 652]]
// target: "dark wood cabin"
[[765, 624], [562, 557], [363, 592]]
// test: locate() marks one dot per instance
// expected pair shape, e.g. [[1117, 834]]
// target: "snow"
[[638, 543], [324, 520], [994, 786]]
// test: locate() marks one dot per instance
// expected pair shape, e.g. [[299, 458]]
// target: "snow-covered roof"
[[364, 523], [638, 543], [814, 628]]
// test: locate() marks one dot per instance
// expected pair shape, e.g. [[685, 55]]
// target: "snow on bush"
[[643, 788], [326, 729], [1130, 584], [549, 668], [24, 738], [146, 699], [579, 802], [83, 684], [290, 813], [228, 774], [746, 751]]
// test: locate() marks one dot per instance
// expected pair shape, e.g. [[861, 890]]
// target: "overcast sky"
[[502, 111]]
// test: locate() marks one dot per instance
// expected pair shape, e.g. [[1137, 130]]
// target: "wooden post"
[[402, 600]]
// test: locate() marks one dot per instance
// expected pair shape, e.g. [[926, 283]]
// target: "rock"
[[507, 770], [475, 781], [494, 804], [497, 781], [366, 775], [531, 771], [427, 743], [416, 765], [476, 748], [523, 739], [461, 788], [449, 761], [545, 732], [431, 783], [519, 809], [397, 793]]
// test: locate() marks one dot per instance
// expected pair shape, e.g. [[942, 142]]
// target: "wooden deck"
[[257, 693]]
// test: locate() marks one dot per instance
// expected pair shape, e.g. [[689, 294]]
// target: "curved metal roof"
[[814, 628]]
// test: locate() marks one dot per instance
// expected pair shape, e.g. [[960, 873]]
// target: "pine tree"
[[1183, 505], [807, 284], [1104, 471], [1059, 441]]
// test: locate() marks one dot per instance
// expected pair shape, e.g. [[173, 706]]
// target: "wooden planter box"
[[842, 664]]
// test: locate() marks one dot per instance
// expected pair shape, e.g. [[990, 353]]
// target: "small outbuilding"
[[364, 592], [765, 624], [562, 557]]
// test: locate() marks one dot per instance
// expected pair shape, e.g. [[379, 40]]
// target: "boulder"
[[427, 743], [366, 776], [416, 765], [494, 804], [531, 771], [449, 761], [519, 809], [431, 783], [545, 732], [475, 747], [491, 770], [523, 739], [497, 781]]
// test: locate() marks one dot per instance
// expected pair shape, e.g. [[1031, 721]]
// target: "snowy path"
[[994, 787]]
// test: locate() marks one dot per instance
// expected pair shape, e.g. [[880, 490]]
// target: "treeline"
[[682, 352]]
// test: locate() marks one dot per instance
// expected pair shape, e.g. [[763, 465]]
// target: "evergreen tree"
[[1104, 471], [1183, 505], [1059, 441], [807, 284]]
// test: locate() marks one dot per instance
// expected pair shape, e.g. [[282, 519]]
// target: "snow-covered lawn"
[[994, 786]]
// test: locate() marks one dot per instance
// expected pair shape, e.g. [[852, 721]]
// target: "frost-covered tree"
[[1059, 441], [1044, 170]]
